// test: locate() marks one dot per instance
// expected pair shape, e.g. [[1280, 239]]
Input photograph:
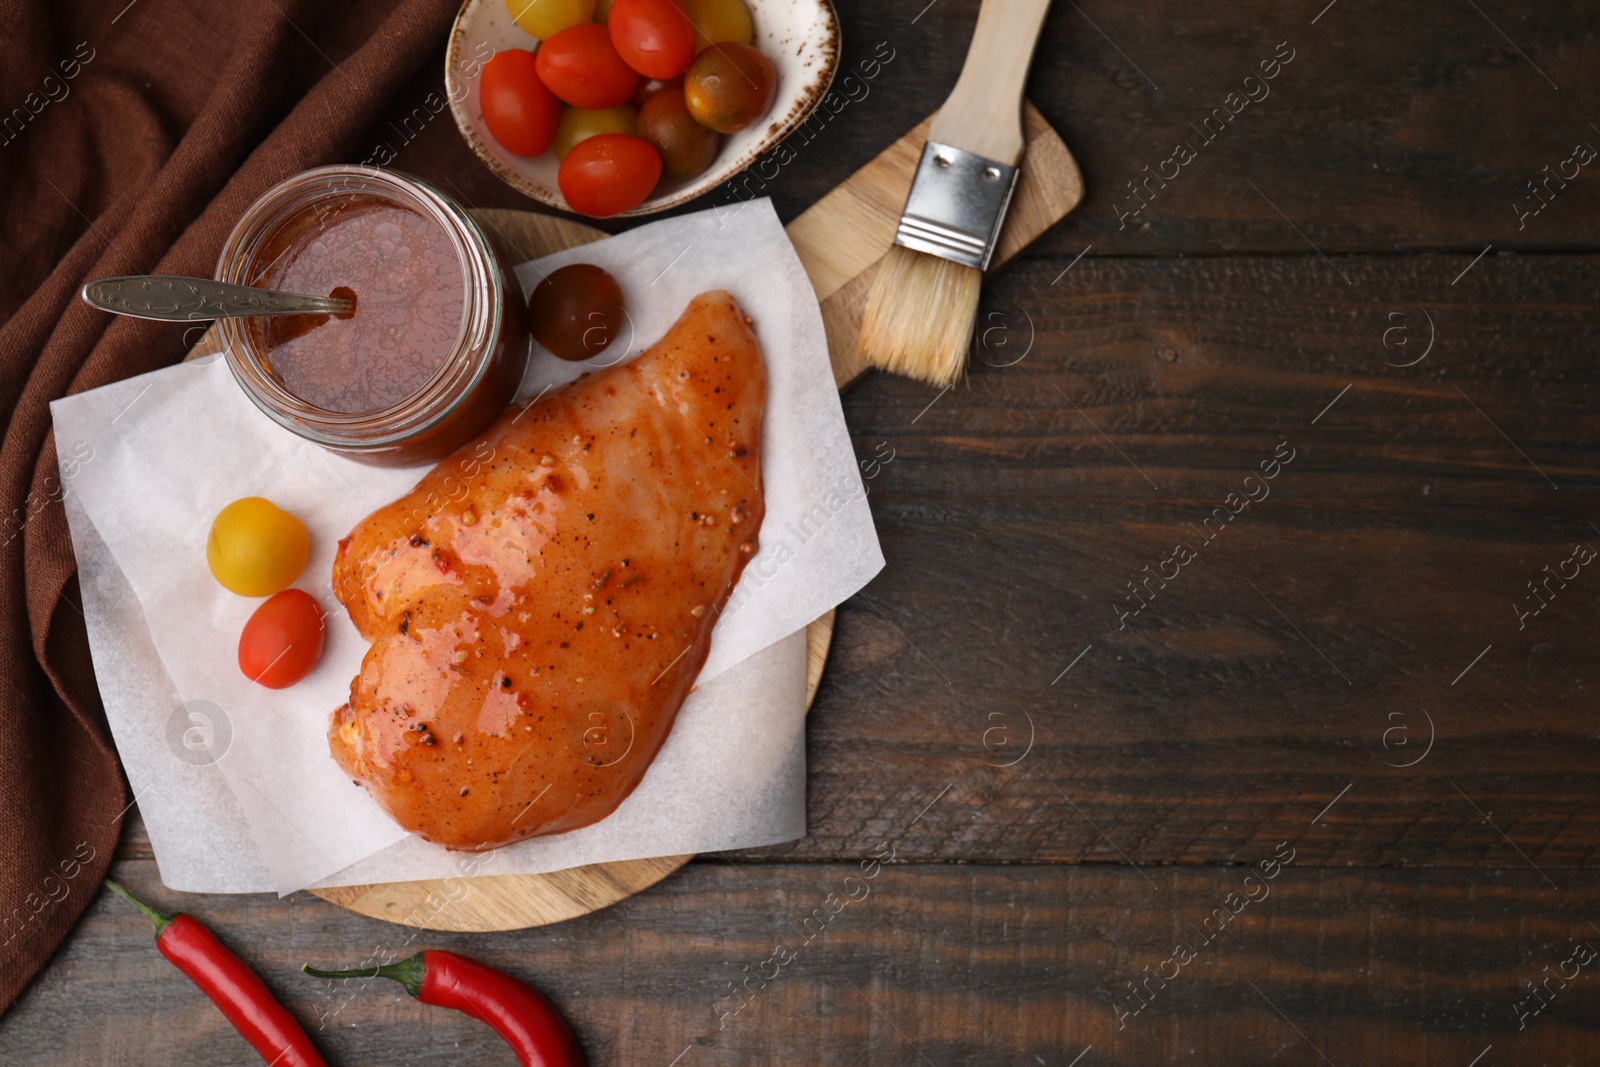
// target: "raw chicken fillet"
[[540, 604]]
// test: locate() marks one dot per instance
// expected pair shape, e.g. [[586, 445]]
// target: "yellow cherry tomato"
[[716, 21], [256, 548], [546, 18], [580, 125], [602, 10]]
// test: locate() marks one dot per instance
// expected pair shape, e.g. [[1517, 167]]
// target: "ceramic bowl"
[[800, 37]]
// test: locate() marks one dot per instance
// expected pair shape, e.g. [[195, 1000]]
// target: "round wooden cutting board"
[[516, 901]]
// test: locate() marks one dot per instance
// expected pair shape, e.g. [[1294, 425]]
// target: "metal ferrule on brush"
[[957, 203]]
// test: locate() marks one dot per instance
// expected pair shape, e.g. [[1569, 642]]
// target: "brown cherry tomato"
[[283, 640], [729, 86], [582, 68], [608, 174], [576, 312], [687, 148]]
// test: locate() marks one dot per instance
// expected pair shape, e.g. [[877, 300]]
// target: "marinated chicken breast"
[[540, 604]]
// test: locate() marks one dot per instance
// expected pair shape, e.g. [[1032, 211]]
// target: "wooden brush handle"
[[984, 111]]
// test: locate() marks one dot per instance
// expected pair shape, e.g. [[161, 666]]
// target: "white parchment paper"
[[235, 781]]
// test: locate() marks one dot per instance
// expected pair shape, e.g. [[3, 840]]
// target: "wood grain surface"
[[1280, 691], [934, 963]]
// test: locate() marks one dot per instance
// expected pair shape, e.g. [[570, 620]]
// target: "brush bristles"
[[919, 316]]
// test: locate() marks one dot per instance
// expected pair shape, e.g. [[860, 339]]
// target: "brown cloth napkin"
[[132, 136]]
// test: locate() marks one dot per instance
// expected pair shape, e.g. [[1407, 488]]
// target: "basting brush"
[[924, 299]]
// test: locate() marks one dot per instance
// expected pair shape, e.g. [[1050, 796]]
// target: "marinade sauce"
[[406, 279]]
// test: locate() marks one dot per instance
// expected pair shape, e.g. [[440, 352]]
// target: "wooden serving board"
[[840, 239]]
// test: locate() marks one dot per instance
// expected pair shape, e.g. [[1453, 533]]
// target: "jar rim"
[[457, 376]]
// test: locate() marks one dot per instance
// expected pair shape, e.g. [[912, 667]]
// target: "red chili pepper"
[[232, 986], [527, 1020]]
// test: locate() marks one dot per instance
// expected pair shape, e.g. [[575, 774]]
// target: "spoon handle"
[[174, 299]]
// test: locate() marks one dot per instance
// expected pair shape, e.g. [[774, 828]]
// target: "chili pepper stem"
[[409, 972], [160, 919]]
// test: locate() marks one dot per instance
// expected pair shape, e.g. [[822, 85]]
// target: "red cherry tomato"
[[283, 640], [581, 67], [521, 113], [654, 37], [609, 173]]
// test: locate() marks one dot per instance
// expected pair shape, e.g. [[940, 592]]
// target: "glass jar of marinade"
[[435, 346]]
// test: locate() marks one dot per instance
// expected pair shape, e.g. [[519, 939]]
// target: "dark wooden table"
[[1329, 796]]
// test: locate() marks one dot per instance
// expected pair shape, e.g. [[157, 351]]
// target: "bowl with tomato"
[[628, 107]]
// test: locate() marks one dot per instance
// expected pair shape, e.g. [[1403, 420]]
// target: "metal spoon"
[[177, 299]]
